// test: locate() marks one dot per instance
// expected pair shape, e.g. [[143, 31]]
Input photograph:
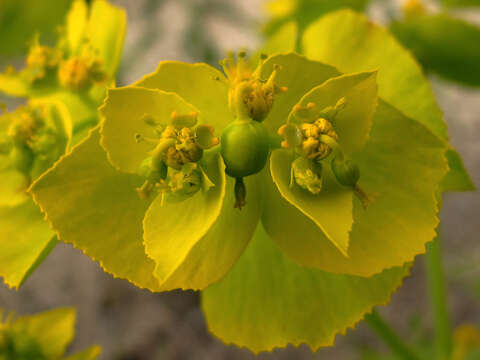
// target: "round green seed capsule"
[[346, 172], [244, 147]]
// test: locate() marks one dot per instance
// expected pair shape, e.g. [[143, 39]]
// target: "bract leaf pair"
[[36, 135], [43, 336], [288, 254], [359, 45]]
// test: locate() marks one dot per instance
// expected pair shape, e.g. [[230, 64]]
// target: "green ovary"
[[245, 148]]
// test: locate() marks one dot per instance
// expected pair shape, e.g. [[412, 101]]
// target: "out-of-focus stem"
[[389, 336], [438, 297]]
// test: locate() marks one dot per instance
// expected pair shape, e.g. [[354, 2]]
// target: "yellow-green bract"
[[291, 266], [43, 336], [25, 237]]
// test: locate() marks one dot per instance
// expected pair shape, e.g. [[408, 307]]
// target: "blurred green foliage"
[[444, 45], [461, 3], [304, 12], [19, 19]]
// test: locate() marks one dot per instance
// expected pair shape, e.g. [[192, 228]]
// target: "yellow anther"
[[185, 120], [74, 74], [79, 73], [171, 167], [42, 58], [169, 132], [250, 96], [25, 124], [183, 150], [310, 130], [312, 146], [306, 113], [325, 127], [309, 139], [309, 147]]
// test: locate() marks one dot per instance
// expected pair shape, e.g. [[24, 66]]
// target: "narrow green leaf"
[[299, 75], [125, 111], [267, 301], [331, 209], [40, 259], [75, 25], [172, 229], [401, 166], [106, 30], [457, 179], [444, 45], [199, 84], [100, 212]]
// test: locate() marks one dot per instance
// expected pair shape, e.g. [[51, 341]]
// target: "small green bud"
[[346, 172], [244, 148], [307, 174]]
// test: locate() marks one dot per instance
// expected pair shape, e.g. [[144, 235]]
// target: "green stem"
[[298, 39], [438, 296], [388, 335]]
